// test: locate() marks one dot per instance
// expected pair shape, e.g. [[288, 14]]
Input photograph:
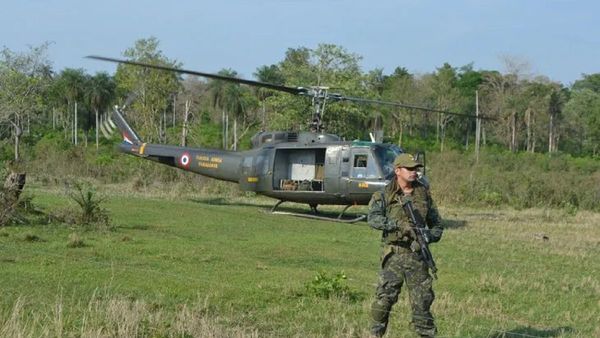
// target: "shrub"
[[88, 199], [323, 286]]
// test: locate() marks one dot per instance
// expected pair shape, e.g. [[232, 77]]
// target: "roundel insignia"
[[184, 160]]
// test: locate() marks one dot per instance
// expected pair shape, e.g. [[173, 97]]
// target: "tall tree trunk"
[[165, 125], [223, 129], [17, 140], [184, 130], [75, 124], [235, 140], [550, 133], [528, 127], [437, 128], [67, 129], [97, 125], [513, 136], [174, 105], [226, 130], [477, 127]]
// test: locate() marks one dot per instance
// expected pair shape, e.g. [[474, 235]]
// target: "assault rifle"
[[422, 235]]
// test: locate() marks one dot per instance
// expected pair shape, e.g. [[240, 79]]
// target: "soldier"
[[401, 261]]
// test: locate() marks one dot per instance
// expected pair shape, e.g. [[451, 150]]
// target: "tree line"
[[531, 114]]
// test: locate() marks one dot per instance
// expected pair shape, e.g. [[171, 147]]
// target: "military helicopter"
[[311, 167]]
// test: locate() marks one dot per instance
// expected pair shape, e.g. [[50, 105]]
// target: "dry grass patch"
[[115, 317]]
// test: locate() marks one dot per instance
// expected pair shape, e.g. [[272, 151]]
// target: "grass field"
[[215, 267]]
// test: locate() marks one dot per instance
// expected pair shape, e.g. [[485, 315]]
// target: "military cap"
[[406, 161]]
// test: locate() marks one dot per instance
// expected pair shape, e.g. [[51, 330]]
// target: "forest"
[[49, 119]]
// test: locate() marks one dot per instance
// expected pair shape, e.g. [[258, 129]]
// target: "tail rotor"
[[108, 127], [116, 122]]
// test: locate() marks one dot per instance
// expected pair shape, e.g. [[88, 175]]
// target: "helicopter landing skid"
[[316, 216], [322, 218]]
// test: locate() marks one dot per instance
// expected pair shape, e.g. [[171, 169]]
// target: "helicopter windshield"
[[385, 155]]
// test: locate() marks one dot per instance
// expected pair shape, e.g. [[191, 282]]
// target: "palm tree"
[[271, 74], [227, 97], [72, 81], [100, 91]]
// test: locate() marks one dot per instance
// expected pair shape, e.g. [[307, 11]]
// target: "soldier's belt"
[[400, 247]]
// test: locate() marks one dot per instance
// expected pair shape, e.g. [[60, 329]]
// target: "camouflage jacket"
[[386, 212]]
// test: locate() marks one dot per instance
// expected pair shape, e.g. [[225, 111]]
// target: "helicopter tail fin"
[[117, 121]]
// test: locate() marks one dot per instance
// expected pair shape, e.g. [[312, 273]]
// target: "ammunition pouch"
[[396, 238]]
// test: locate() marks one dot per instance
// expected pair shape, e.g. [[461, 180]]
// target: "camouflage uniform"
[[399, 264]]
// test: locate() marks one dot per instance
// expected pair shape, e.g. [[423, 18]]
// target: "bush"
[[91, 213], [323, 286]]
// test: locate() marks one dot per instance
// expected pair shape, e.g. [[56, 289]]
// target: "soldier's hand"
[[407, 230], [414, 246], [392, 225], [435, 234]]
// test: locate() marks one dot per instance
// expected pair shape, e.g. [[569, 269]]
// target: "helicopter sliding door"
[[299, 169], [333, 158], [362, 174]]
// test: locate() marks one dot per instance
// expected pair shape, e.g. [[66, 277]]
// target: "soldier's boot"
[[424, 325], [422, 335], [378, 329]]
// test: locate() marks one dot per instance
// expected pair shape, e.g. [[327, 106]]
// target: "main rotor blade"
[[338, 97], [310, 92], [291, 90]]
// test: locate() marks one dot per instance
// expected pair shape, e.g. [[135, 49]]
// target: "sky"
[[556, 38]]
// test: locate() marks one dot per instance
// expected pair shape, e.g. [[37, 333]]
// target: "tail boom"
[[215, 163]]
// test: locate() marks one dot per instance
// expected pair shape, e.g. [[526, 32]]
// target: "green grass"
[[224, 267]]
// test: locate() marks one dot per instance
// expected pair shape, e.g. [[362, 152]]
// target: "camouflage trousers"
[[403, 267]]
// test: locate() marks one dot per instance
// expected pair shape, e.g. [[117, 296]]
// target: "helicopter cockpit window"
[[360, 161], [364, 166], [385, 156]]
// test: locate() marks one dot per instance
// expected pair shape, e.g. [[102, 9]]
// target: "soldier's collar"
[[393, 187]]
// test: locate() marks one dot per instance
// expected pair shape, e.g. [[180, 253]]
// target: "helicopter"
[[309, 167]]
